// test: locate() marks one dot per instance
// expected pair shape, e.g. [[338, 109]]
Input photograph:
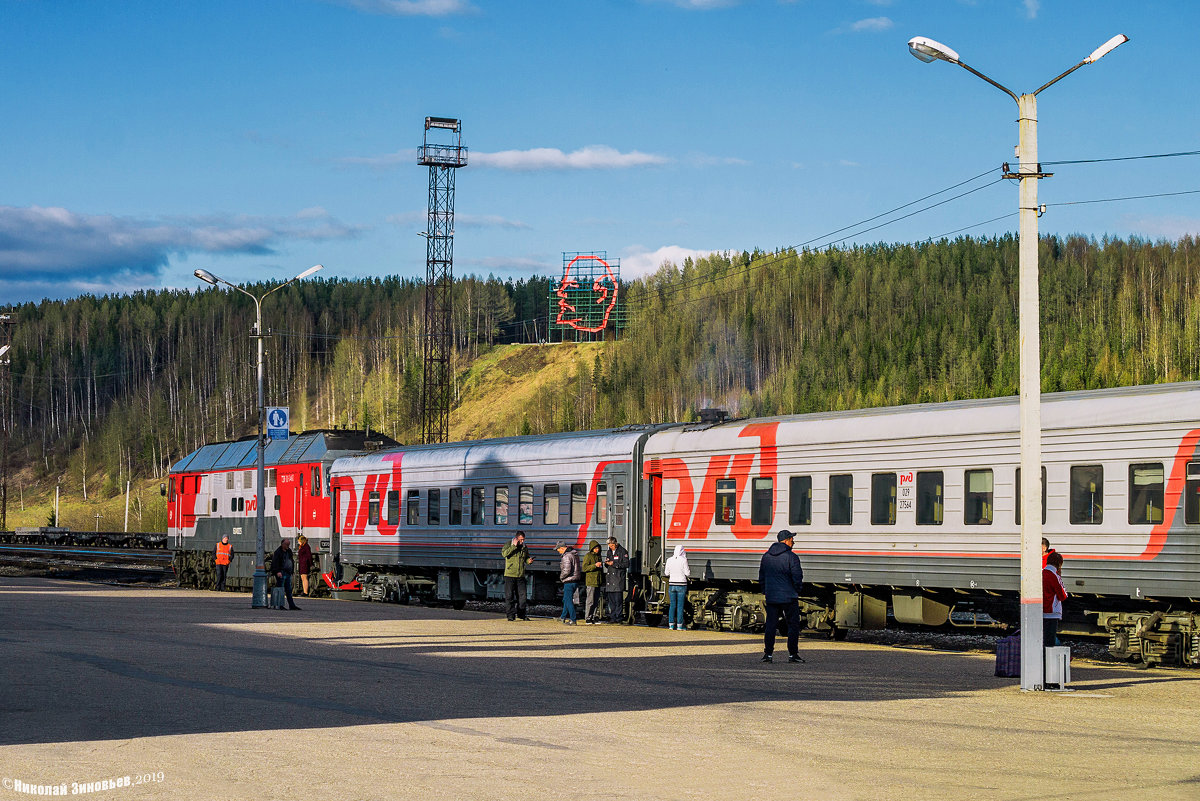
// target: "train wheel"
[[459, 605], [838, 633], [653, 620]]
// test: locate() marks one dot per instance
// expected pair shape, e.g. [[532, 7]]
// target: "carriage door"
[[655, 525], [298, 509]]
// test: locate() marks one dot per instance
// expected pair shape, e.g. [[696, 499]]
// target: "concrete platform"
[[360, 701]]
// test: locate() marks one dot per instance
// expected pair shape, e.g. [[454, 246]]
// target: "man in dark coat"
[[616, 564], [781, 578], [283, 566]]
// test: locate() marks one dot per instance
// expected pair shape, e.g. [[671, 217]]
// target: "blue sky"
[[142, 140]]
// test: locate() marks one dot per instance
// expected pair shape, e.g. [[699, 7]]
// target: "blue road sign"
[[277, 422]]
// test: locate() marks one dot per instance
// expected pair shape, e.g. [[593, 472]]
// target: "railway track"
[[89, 563]]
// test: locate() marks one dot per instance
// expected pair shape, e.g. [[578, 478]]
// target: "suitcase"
[[278, 599], [1008, 657]]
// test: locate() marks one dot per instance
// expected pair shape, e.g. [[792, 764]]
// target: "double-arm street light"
[[258, 598], [1028, 172]]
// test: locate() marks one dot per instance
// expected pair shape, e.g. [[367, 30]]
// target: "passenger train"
[[909, 513]]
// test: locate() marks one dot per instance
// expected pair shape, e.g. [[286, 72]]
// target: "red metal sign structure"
[[585, 302]]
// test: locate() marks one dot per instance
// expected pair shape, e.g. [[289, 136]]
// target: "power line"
[[1129, 197], [1127, 158]]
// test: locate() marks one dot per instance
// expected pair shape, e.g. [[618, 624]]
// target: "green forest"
[[116, 388]]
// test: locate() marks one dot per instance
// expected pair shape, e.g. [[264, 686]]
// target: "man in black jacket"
[[616, 564], [781, 578], [283, 565]]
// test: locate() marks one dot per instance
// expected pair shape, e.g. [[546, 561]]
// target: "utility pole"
[[438, 344], [6, 321]]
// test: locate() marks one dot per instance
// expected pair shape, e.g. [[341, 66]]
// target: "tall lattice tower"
[[442, 160]]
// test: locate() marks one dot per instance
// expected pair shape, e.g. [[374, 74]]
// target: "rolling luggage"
[[1008, 657]]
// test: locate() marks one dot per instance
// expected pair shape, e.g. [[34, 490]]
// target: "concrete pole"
[[258, 599], [1031, 403]]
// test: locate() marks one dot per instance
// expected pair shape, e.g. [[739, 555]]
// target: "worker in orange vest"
[[224, 556]]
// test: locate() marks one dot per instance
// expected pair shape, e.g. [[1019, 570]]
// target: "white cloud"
[[592, 157], [1031, 8], [637, 261], [872, 24], [412, 8]]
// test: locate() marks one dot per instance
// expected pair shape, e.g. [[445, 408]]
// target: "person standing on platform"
[[570, 574], [677, 573], [782, 579], [304, 561], [1046, 551], [516, 557], [283, 565], [593, 582], [616, 563], [1053, 594], [224, 555]]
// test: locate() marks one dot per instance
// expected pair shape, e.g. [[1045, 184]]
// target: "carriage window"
[[550, 504], [413, 508], [456, 506], [1146, 493], [435, 507], [977, 507], [391, 514], [619, 506], [841, 500], [578, 503], [477, 501], [762, 502], [883, 499], [501, 506], [373, 509], [315, 488], [601, 503], [1018, 480], [929, 498], [800, 500], [525, 505], [1087, 494], [229, 481], [725, 501]]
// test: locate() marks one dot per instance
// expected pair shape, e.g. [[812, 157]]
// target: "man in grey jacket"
[[616, 565], [570, 573]]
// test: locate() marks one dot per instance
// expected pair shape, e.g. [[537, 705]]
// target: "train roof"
[[306, 447]]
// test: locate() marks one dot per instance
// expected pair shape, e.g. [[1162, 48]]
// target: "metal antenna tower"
[[6, 321], [438, 346]]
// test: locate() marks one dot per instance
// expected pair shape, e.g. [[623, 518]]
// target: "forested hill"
[[120, 387]]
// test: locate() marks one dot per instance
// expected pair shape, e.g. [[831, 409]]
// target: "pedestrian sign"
[[277, 422]]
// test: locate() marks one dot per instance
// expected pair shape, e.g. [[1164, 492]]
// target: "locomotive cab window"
[[414, 508], [883, 499], [525, 505], [1018, 480], [373, 509], [977, 506], [315, 489], [456, 511], [725, 501], [800, 500], [929, 498], [1146, 493], [841, 500], [1087, 494], [762, 502], [501, 506], [578, 503], [550, 504], [435, 507], [477, 502]]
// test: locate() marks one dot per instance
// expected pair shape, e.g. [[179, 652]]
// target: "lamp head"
[[1106, 48], [310, 271], [3, 350], [206, 277], [928, 50]]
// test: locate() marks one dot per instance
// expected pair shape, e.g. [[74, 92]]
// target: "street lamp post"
[[1028, 172], [258, 598]]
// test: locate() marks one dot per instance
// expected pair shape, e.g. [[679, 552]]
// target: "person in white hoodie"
[[677, 573]]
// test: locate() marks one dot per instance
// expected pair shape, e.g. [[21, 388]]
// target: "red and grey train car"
[[212, 493]]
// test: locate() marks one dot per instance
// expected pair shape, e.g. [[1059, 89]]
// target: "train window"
[[619, 506], [525, 505], [373, 509], [435, 507], [1018, 480], [725, 502], [929, 498], [762, 502], [601, 502], [247, 479], [500, 503], [233, 504], [456, 506], [272, 477], [276, 502], [214, 505], [1191, 494], [413, 508], [229, 480], [477, 506], [977, 506], [1146, 493], [315, 485], [578, 503], [800, 500], [883, 499], [1087, 494], [550, 504], [391, 513], [841, 500]]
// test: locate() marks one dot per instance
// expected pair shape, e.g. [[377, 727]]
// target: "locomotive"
[[908, 513]]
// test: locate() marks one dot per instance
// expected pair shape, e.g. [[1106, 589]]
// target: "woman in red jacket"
[[1053, 594]]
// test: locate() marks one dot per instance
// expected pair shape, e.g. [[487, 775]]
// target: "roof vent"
[[713, 417], [372, 444]]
